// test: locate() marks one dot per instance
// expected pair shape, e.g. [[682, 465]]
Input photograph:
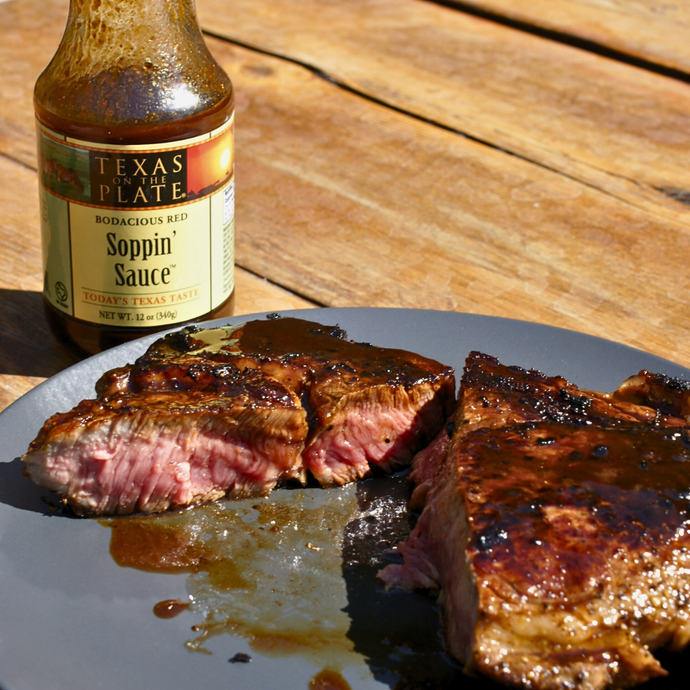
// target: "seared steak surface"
[[236, 410], [556, 524]]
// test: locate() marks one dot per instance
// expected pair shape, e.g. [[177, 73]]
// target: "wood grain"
[[650, 30], [616, 127], [29, 34], [345, 202], [613, 126], [355, 204]]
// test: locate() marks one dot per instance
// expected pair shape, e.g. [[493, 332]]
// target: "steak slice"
[[234, 411], [556, 525], [158, 450]]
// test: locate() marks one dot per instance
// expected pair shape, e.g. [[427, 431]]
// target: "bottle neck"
[[140, 64], [103, 34]]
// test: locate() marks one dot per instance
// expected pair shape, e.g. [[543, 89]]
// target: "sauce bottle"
[[136, 174]]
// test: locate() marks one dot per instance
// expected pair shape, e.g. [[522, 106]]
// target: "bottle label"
[[137, 236]]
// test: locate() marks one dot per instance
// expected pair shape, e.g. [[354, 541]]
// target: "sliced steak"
[[236, 410], [556, 526], [365, 405], [153, 451]]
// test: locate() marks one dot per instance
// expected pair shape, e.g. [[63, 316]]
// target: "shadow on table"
[[27, 347]]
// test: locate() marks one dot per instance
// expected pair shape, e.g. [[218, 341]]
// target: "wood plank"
[[29, 35], [610, 125], [613, 126], [358, 205], [351, 204], [644, 29]]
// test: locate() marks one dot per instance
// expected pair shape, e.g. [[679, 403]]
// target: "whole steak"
[[556, 523]]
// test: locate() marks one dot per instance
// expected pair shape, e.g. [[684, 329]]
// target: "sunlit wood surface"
[[405, 153], [647, 30]]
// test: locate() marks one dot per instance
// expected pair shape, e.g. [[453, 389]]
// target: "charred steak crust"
[[556, 523], [668, 395], [237, 410]]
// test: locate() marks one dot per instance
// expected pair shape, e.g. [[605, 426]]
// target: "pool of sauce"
[[295, 574], [328, 680]]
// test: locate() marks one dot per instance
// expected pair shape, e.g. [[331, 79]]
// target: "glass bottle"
[[136, 174]]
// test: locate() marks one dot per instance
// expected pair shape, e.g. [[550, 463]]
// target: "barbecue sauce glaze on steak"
[[235, 411], [556, 524]]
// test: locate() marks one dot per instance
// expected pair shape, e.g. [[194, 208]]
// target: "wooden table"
[[525, 160]]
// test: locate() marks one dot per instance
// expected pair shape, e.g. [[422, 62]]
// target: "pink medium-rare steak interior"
[[381, 425], [150, 452], [556, 527], [257, 404]]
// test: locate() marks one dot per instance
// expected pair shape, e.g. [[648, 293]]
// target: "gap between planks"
[[572, 40], [18, 161], [330, 79]]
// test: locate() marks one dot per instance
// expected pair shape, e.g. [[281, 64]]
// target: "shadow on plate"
[[398, 633], [19, 492]]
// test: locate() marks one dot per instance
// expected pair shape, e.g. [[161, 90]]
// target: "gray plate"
[[71, 618]]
